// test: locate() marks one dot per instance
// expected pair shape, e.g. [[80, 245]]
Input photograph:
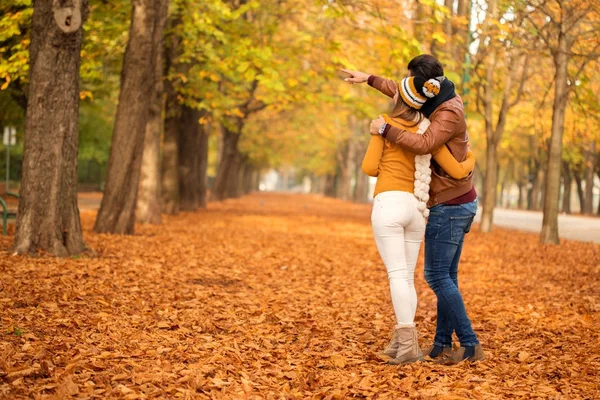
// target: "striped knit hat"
[[415, 90]]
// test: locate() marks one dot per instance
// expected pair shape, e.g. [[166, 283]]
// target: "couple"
[[408, 182]]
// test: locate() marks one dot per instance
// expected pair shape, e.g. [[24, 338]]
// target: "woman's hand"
[[376, 124], [356, 76]]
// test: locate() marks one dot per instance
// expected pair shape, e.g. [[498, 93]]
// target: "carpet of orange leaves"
[[285, 297]]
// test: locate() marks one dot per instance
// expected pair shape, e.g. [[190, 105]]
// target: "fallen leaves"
[[274, 296]]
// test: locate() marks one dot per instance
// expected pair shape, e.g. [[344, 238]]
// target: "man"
[[452, 203]]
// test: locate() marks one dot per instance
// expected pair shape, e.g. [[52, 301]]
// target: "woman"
[[399, 207]]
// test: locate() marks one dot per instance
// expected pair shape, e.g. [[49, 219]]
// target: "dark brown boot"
[[459, 356], [445, 353]]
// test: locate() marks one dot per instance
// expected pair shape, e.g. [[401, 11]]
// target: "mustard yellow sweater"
[[394, 166]]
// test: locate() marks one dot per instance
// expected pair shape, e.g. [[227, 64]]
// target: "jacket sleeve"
[[385, 86], [452, 167], [370, 164], [443, 128]]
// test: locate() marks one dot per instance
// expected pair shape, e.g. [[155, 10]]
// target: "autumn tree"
[[569, 30], [48, 216], [496, 96], [117, 210], [148, 202]]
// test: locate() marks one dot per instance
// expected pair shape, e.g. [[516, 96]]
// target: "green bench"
[[6, 212]]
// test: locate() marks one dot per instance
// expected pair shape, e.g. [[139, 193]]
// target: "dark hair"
[[426, 66], [407, 113]]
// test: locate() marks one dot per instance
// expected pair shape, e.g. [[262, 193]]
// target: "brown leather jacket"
[[448, 126]]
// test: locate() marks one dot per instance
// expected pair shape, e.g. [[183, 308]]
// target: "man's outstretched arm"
[[385, 86]]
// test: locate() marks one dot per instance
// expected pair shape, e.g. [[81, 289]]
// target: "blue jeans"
[[444, 237]]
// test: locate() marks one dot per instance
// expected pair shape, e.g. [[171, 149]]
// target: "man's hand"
[[356, 76], [376, 124]]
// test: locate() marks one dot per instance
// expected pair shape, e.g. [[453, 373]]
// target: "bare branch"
[[521, 83]]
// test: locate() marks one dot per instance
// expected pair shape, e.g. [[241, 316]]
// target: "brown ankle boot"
[[458, 356], [445, 353], [408, 346], [392, 348]]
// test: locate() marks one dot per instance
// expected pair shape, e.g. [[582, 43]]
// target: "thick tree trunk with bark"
[[203, 165], [148, 202], [117, 210], [227, 166], [48, 216], [590, 167], [567, 184], [549, 233], [489, 188], [188, 143]]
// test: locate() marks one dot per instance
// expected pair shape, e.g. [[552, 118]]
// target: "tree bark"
[[590, 167], [329, 187], [117, 210], [580, 192], [567, 184], [549, 234], [203, 165], [347, 169], [148, 202], [48, 216], [188, 140], [489, 188], [598, 173], [228, 162], [361, 192]]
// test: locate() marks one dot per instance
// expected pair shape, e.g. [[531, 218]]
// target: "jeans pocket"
[[459, 226]]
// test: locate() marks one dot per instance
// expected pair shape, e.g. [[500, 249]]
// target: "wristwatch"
[[382, 128]]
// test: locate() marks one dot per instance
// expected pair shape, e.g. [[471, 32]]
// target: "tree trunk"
[[489, 188], [347, 167], [329, 187], [188, 140], [228, 162], [598, 173], [549, 233], [148, 202], [203, 165], [117, 210], [361, 192], [520, 200], [48, 216], [580, 195], [567, 184], [590, 167], [233, 177]]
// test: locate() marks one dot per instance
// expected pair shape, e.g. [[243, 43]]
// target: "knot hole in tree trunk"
[[67, 15]]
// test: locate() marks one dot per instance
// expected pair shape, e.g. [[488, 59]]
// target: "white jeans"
[[398, 227]]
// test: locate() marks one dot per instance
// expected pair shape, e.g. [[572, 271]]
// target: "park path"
[[284, 296], [573, 227]]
